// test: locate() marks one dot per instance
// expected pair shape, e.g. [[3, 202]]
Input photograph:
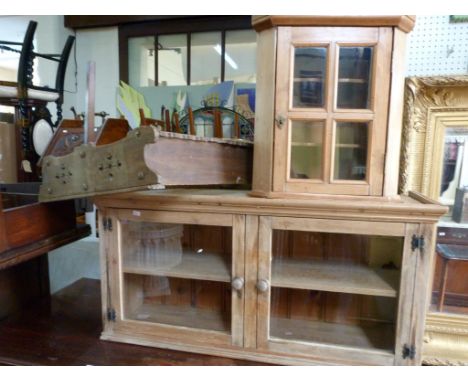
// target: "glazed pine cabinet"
[[283, 281], [329, 96]]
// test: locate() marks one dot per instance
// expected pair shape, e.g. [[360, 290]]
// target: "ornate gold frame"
[[431, 105]]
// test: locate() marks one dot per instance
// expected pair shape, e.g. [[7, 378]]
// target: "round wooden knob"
[[263, 285], [237, 283]]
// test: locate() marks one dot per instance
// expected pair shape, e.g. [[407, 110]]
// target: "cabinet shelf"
[[193, 266], [349, 146], [312, 79], [352, 81], [305, 144], [184, 316], [372, 337], [335, 277]]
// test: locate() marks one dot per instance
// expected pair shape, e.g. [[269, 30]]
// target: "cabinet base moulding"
[[242, 353]]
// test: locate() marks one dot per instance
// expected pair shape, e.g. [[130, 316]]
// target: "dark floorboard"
[[65, 330]]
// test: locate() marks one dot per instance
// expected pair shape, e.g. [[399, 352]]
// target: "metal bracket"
[[107, 224], [111, 314], [409, 351], [417, 242]]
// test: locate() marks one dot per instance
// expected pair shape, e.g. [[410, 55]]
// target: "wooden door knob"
[[263, 285], [237, 283]]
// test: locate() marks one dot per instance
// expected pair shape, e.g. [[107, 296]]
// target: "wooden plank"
[[379, 97], [3, 237], [175, 217], [334, 277], [251, 277], [26, 252], [338, 226], [405, 22], [282, 105], [114, 130], [264, 274], [204, 266], [180, 159], [423, 287], [406, 298], [34, 222], [265, 111], [183, 316], [395, 114], [343, 208], [238, 267]]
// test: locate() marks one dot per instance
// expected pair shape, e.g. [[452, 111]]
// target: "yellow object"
[[129, 101]]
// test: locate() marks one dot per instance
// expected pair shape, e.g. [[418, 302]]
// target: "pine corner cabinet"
[[320, 281], [329, 105]]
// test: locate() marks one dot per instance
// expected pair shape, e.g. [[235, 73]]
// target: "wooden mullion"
[[156, 60], [223, 54], [189, 57]]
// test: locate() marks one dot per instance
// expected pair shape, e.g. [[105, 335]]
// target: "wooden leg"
[[443, 284]]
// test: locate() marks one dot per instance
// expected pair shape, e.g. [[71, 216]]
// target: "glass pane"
[[177, 274], [336, 289], [205, 59], [351, 150], [333, 318], [354, 77], [141, 61], [172, 60], [310, 65], [306, 149], [240, 56]]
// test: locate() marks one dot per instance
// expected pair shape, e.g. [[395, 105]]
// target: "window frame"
[[180, 25]]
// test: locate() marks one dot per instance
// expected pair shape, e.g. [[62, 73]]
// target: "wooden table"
[[64, 330], [448, 252]]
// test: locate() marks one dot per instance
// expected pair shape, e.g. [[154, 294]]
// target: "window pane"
[[354, 77], [172, 60], [205, 59], [306, 149], [309, 76], [141, 61], [240, 56], [351, 150]]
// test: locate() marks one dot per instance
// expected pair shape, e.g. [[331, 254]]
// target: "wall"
[[437, 47]]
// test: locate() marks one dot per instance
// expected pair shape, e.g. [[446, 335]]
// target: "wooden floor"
[[65, 329]]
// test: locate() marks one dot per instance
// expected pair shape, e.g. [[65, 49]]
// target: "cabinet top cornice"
[[414, 208], [403, 22]]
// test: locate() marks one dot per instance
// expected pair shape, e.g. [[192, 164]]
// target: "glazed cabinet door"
[[176, 277], [332, 89], [334, 290]]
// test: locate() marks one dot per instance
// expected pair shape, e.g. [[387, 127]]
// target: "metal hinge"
[[111, 314], [409, 351], [107, 224], [417, 242]]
